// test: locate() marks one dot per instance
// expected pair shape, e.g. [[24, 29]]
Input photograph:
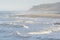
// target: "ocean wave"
[[25, 26], [29, 22], [35, 36], [15, 25], [7, 24], [22, 35], [42, 32], [46, 31]]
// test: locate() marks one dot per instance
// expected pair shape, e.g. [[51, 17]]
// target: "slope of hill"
[[47, 7]]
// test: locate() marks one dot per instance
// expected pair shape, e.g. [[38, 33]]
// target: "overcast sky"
[[19, 5]]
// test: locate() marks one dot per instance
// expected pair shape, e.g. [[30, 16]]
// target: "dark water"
[[10, 28]]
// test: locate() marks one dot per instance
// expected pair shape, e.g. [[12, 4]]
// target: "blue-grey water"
[[11, 27]]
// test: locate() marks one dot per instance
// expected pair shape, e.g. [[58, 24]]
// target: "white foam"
[[55, 29], [25, 26], [18, 33], [29, 22], [41, 32]]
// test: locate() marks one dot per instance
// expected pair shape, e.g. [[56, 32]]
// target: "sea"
[[28, 28]]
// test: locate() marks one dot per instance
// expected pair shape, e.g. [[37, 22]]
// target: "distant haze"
[[21, 5]]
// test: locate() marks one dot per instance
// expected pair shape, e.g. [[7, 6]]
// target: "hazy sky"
[[18, 5]]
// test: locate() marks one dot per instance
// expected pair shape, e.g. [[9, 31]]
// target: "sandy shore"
[[38, 15]]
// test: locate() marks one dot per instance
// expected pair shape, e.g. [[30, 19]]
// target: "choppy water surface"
[[24, 28]]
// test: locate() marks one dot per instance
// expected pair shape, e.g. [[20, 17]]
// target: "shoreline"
[[38, 15]]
